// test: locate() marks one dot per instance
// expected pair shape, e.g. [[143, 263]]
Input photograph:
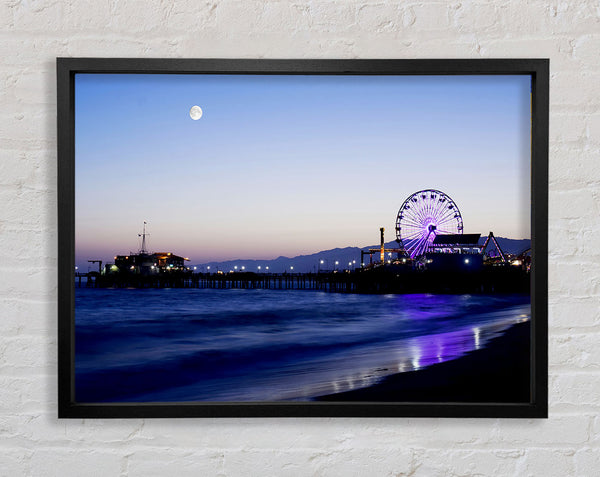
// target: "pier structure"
[[382, 251], [395, 278], [332, 281]]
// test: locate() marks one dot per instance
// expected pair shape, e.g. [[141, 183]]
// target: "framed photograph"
[[302, 237]]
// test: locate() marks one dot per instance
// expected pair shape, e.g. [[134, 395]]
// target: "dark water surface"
[[157, 345]]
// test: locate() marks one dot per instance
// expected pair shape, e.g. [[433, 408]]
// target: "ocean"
[[189, 345]]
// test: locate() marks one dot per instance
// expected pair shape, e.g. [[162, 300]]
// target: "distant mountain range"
[[348, 257]]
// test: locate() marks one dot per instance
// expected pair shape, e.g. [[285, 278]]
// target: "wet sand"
[[497, 373]]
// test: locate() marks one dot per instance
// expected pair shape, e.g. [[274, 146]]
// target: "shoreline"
[[500, 372]]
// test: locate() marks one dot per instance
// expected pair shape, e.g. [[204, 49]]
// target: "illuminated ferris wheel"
[[423, 216]]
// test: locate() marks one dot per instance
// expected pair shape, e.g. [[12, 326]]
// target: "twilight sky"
[[286, 165]]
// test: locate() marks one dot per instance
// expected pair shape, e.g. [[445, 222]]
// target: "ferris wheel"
[[423, 216]]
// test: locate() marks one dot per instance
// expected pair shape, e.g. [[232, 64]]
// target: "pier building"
[[146, 263], [459, 252]]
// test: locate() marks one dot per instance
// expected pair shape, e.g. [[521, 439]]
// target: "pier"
[[383, 279], [334, 282]]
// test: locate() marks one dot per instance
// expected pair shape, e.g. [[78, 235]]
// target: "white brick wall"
[[34, 442]]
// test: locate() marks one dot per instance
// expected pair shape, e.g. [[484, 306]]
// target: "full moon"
[[196, 113]]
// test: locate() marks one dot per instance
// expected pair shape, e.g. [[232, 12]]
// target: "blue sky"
[[285, 165]]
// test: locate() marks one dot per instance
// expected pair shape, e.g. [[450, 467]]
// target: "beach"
[[497, 373]]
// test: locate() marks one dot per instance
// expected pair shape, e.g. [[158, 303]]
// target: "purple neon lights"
[[423, 216]]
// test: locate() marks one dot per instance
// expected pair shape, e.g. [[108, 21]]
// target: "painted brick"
[[24, 396], [574, 204], [184, 463], [576, 350], [26, 354], [579, 279], [585, 50], [14, 131], [44, 15], [26, 316], [595, 430], [380, 17], [266, 17], [30, 284], [22, 206], [338, 433], [333, 16], [558, 49], [432, 16], [89, 16], [567, 237], [587, 461], [473, 16], [569, 430], [107, 432], [20, 169], [15, 462], [585, 95], [468, 462], [576, 388], [89, 462], [574, 166], [32, 89], [566, 128], [121, 47], [137, 16], [24, 50], [593, 130], [548, 462], [574, 312]]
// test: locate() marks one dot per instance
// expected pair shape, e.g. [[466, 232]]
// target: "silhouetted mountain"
[[348, 257]]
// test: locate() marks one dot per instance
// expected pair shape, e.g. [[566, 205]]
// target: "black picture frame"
[[67, 68]]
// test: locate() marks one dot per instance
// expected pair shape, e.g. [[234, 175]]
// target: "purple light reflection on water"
[[419, 352], [212, 345]]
